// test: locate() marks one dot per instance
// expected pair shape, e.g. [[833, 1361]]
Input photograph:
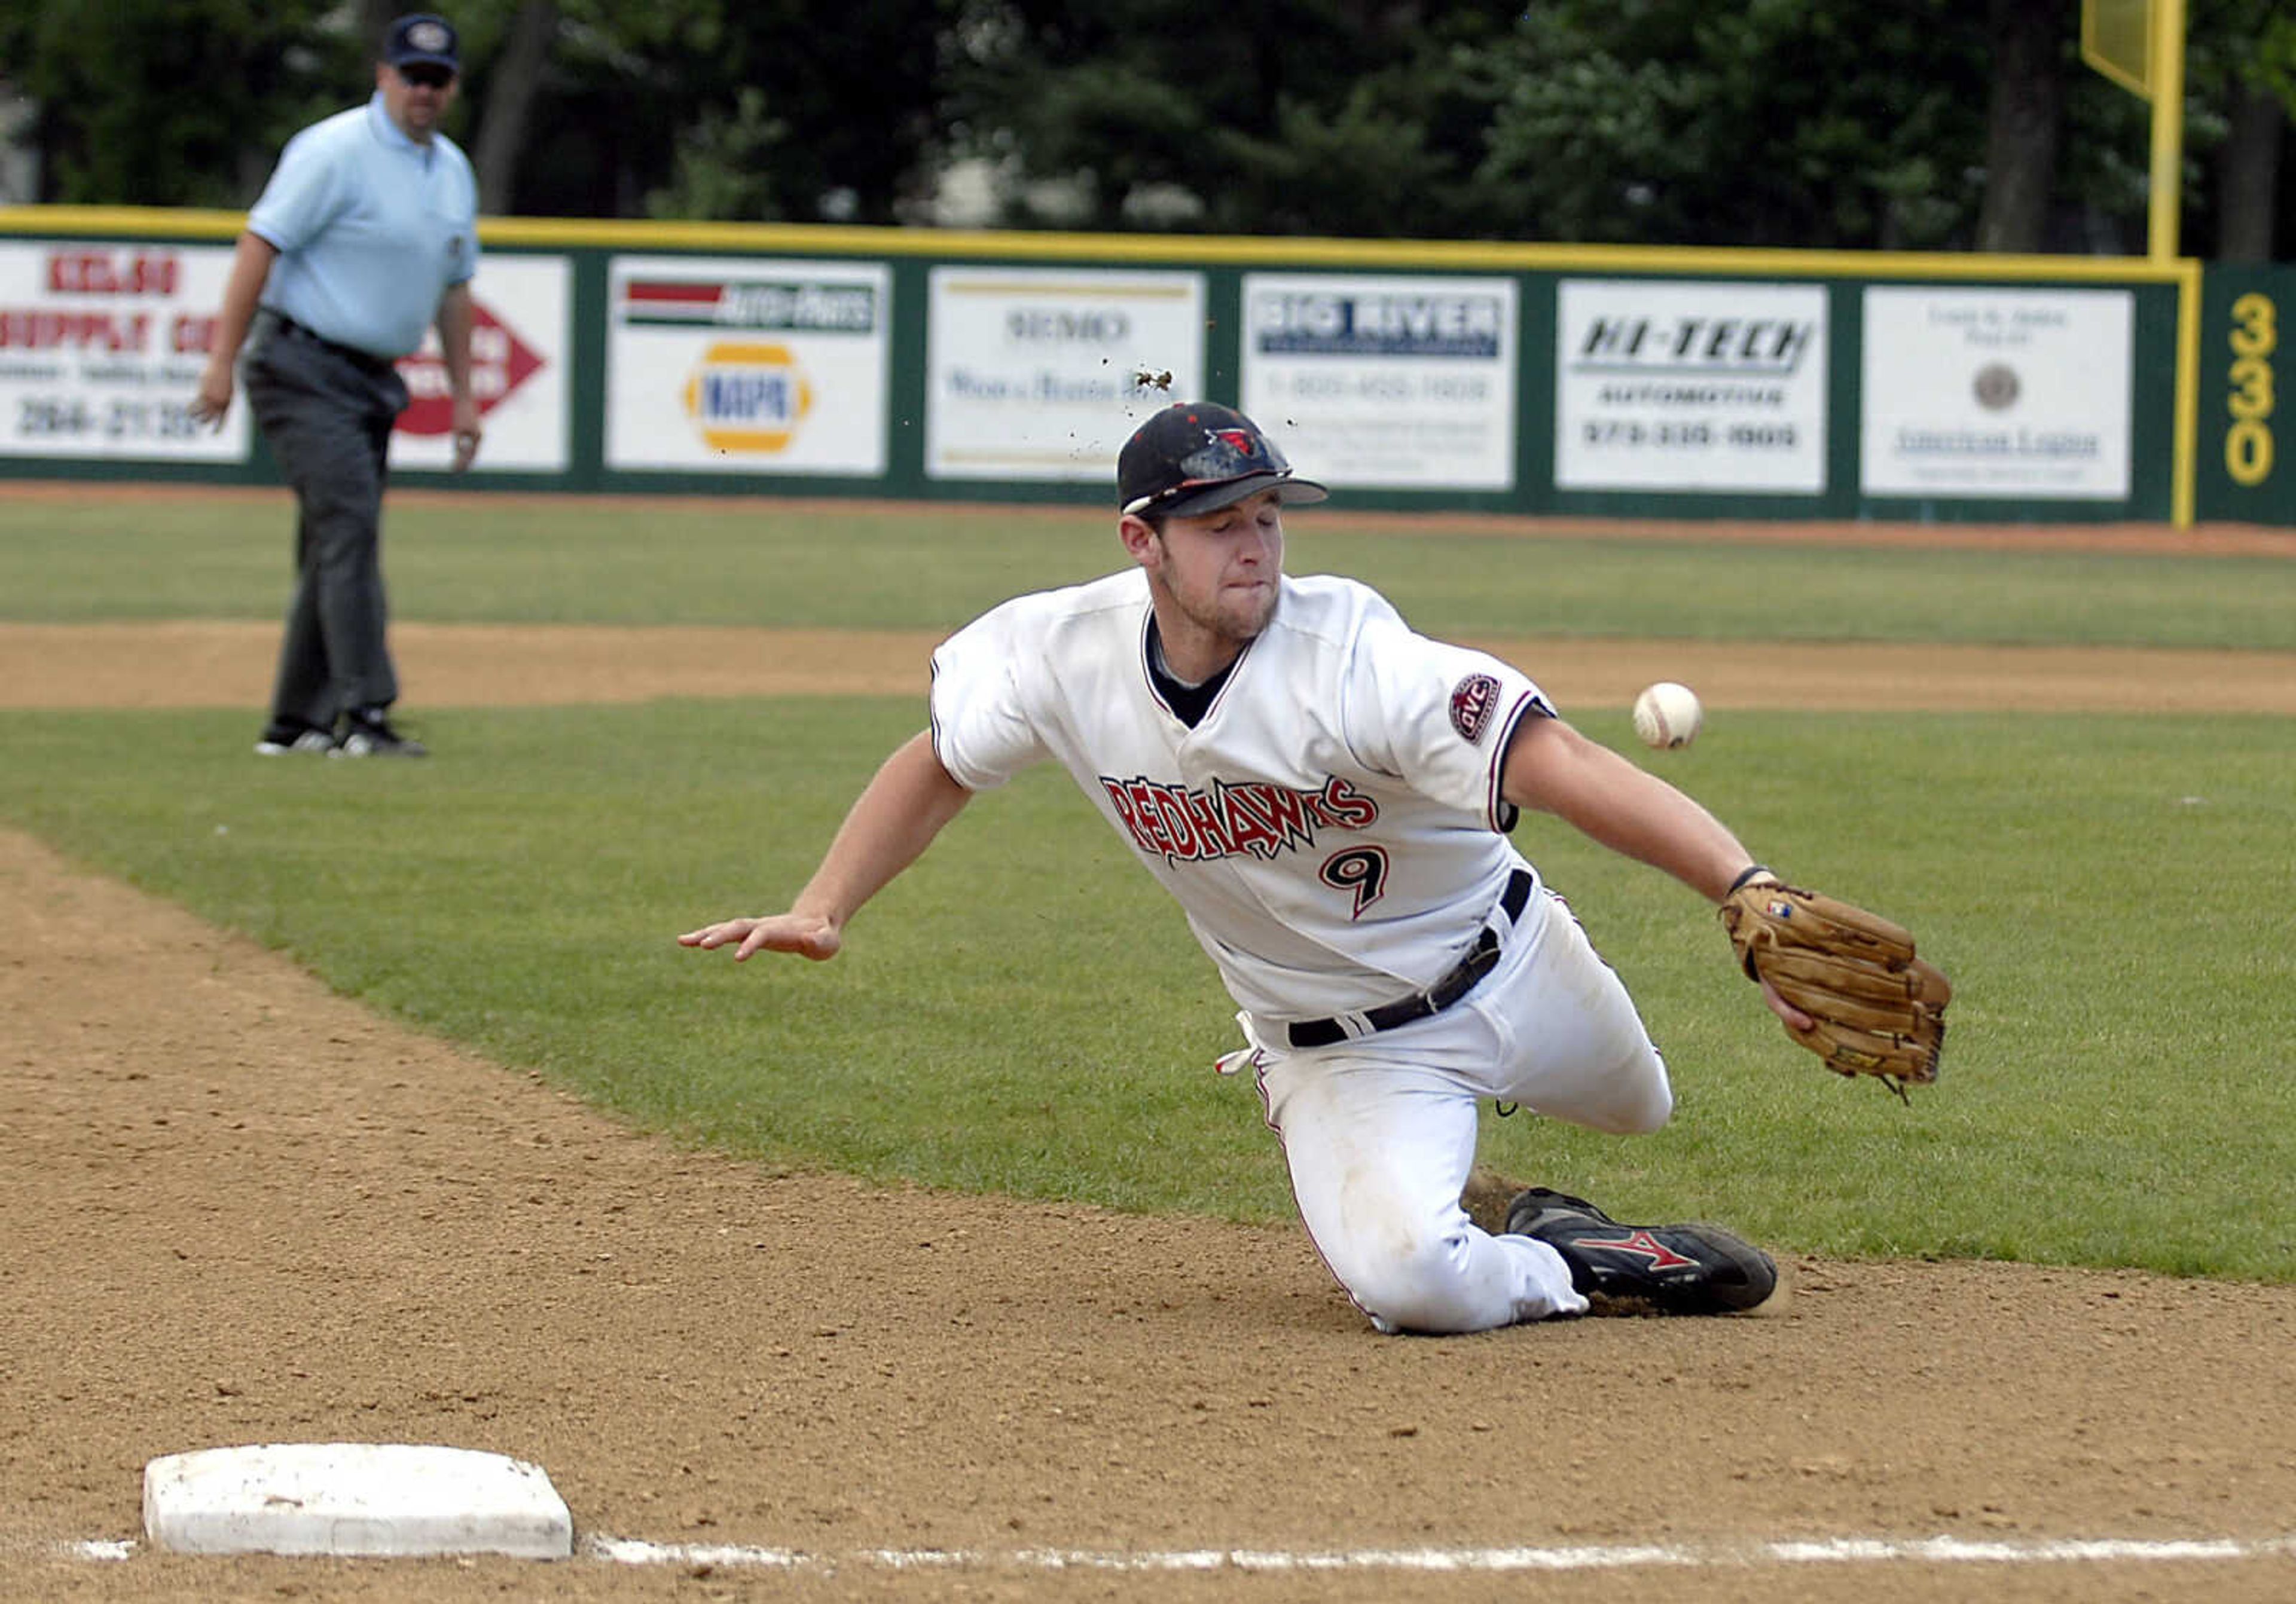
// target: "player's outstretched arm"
[[1554, 769], [891, 822]]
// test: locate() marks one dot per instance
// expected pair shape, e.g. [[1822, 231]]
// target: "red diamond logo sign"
[[500, 362]]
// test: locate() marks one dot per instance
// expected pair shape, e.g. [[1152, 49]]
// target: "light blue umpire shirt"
[[371, 229]]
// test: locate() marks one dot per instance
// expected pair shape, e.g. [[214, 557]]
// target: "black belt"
[[1481, 960], [368, 361]]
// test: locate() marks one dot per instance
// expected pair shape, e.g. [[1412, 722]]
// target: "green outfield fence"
[[723, 358]]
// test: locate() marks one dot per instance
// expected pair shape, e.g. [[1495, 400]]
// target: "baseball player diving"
[[1328, 794]]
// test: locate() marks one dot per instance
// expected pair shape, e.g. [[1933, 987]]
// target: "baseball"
[[1667, 715]]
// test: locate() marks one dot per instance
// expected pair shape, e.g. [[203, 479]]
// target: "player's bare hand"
[[1795, 1019], [807, 935], [213, 398]]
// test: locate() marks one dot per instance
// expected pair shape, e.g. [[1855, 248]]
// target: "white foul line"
[[1830, 1551], [1837, 1551]]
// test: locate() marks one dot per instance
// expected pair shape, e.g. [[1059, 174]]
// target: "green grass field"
[[1025, 1012], [696, 562]]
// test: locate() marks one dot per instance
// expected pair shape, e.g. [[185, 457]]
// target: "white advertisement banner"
[[102, 345], [747, 365], [521, 341], [1386, 382], [1042, 373], [1998, 392], [1696, 386]]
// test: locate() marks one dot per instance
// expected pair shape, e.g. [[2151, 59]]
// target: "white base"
[[352, 1498]]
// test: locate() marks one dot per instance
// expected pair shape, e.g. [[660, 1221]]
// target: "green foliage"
[[2253, 41], [1777, 124], [173, 103], [758, 112], [722, 163], [1786, 122], [1306, 117]]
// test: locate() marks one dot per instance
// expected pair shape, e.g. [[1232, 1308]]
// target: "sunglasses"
[[423, 75]]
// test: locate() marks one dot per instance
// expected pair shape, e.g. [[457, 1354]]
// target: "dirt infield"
[[238, 1208], [195, 664]]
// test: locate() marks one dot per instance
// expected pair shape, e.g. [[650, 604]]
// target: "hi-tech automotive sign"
[[747, 365], [1386, 382], [1661, 385]]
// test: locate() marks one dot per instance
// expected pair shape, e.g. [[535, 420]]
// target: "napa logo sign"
[[749, 397], [748, 366]]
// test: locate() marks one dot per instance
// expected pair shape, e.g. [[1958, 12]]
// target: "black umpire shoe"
[[368, 734], [1662, 1269], [281, 736]]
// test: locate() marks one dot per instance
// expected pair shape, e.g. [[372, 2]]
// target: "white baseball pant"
[[1379, 1132]]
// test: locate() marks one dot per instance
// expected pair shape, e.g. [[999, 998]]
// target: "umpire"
[[366, 234]]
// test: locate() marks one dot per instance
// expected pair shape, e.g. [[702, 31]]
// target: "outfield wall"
[[1607, 381]]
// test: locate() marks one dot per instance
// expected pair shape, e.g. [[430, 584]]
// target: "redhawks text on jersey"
[[1194, 824]]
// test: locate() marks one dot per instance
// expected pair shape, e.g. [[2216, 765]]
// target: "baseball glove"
[[1877, 1008]]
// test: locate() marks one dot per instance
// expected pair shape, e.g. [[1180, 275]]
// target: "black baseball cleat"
[[368, 734], [1664, 1269]]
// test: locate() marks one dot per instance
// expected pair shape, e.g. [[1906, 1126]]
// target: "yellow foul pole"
[[2163, 215], [2168, 96]]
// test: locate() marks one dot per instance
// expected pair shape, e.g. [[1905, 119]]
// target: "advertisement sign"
[[102, 345], [1384, 382], [1663, 385], [747, 365], [521, 343], [1042, 374], [1998, 392]]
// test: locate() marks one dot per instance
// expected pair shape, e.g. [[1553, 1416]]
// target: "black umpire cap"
[[421, 40], [1198, 457]]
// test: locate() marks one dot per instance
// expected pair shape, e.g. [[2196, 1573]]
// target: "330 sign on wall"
[[2255, 337]]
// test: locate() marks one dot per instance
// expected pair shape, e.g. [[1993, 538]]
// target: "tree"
[[171, 103], [1905, 124], [2248, 175], [2024, 116], [1896, 124], [514, 78], [1336, 117], [706, 108], [1778, 122], [2243, 59]]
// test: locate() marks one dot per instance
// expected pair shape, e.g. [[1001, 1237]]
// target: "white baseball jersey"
[[1332, 825]]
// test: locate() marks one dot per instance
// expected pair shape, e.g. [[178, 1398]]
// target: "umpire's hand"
[[213, 398], [468, 429]]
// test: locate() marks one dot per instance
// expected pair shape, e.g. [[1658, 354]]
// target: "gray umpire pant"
[[326, 412]]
